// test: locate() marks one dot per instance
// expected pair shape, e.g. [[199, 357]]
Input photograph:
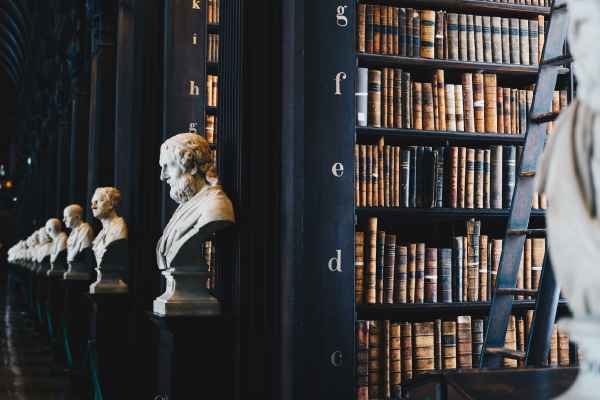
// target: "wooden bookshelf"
[[212, 28], [426, 215], [392, 135]]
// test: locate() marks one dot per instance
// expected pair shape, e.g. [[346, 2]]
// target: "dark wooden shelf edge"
[[429, 311], [212, 110], [441, 212], [470, 6], [416, 134], [212, 28], [378, 60]]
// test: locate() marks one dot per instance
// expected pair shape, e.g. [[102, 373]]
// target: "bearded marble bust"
[[44, 247], [104, 204], [81, 235], [59, 238], [204, 209]]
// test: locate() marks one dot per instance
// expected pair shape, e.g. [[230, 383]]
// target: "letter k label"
[[196, 4]]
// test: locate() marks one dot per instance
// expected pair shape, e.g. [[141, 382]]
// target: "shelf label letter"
[[194, 89], [337, 170], [196, 4], [336, 359], [195, 39], [335, 263], [341, 18], [338, 82], [193, 127]]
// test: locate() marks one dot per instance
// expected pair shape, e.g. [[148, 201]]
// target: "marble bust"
[[79, 244], [29, 255], [43, 250], [110, 246], [204, 209], [59, 246]]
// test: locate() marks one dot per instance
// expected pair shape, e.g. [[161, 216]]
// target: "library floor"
[[27, 370]]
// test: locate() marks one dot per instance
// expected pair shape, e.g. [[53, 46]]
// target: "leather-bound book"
[[448, 345], [388, 268], [469, 116], [411, 274], [369, 40], [427, 108], [514, 104], [374, 177], [457, 268], [477, 338], [396, 31], [479, 38], [402, 34], [363, 175], [374, 98], [377, 29], [445, 275], [515, 48], [458, 108], [369, 175], [395, 360], [390, 31], [405, 155], [421, 175], [396, 176], [507, 110], [423, 347], [380, 265], [416, 33], [413, 177], [397, 98], [510, 341], [497, 39], [473, 235], [385, 97], [439, 35], [407, 351], [491, 116], [400, 274], [375, 360], [383, 24], [381, 172], [500, 109], [541, 36], [417, 105], [533, 42], [508, 174], [521, 344], [465, 273], [553, 355], [390, 97], [470, 181], [357, 177], [487, 178], [464, 342], [441, 99], [359, 266], [450, 111], [524, 41], [527, 264], [362, 25], [538, 250], [431, 275], [471, 52], [409, 32], [440, 178], [483, 268], [406, 100], [496, 254], [564, 359], [462, 177], [427, 33], [387, 176], [453, 40], [386, 347], [563, 99], [479, 102], [520, 276], [437, 344], [371, 252], [362, 360], [478, 172], [505, 33], [487, 39], [463, 48], [453, 189], [420, 274], [362, 96]]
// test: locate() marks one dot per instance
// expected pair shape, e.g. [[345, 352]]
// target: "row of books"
[[392, 98], [436, 177], [213, 48], [391, 270], [390, 354], [539, 3], [449, 36], [212, 85], [210, 128], [209, 258], [213, 7]]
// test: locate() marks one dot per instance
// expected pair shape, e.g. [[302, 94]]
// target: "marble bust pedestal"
[[59, 266], [82, 267], [112, 269]]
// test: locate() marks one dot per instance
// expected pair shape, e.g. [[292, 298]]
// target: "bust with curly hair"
[[104, 204]]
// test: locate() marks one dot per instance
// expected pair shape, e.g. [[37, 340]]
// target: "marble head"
[[105, 201], [53, 227], [72, 215], [184, 161]]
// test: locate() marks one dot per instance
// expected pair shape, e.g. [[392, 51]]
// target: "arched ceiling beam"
[[7, 37], [9, 23], [10, 55]]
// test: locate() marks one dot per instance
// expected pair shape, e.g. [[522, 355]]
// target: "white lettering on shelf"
[[335, 263]]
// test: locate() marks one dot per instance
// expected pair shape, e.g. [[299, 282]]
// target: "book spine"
[[496, 254], [359, 266], [522, 98], [369, 176], [395, 361], [357, 175], [563, 350], [470, 179], [508, 174], [376, 29], [453, 45], [413, 177], [450, 111], [524, 41], [362, 97], [372, 262], [423, 347], [479, 38], [362, 25], [388, 176], [439, 35], [397, 98], [369, 29], [462, 177], [428, 120], [420, 274], [448, 345], [541, 36], [375, 356], [496, 25], [409, 32], [396, 31], [515, 111], [427, 33], [457, 268], [383, 26], [490, 106], [445, 275], [374, 98], [402, 33], [417, 88], [441, 99], [500, 109], [362, 360], [437, 336], [416, 33], [453, 194], [465, 273], [406, 100], [473, 260], [400, 278], [469, 118], [520, 339], [404, 177], [507, 110], [479, 102], [407, 351], [381, 173], [431, 275], [458, 108], [515, 48], [479, 178], [463, 49], [477, 340], [538, 249], [440, 178], [390, 98], [464, 342], [471, 52], [553, 356], [374, 192], [380, 265], [388, 268], [390, 31], [483, 268], [487, 39], [487, 178], [384, 97], [510, 341], [385, 347], [505, 33], [527, 264], [533, 42], [363, 175], [396, 176], [411, 275]]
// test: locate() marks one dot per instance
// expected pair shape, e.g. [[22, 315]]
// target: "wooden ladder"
[[547, 296]]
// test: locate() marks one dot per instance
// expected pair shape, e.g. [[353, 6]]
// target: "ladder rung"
[[503, 351], [543, 117], [527, 173], [515, 291], [517, 232], [560, 60]]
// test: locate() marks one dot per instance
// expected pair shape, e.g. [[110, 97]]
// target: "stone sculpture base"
[[108, 282], [186, 295]]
